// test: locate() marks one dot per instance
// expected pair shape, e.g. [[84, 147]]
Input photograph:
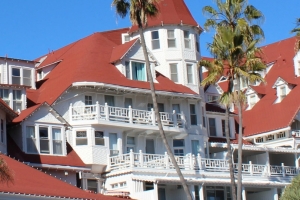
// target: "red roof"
[[232, 141], [120, 51], [259, 89], [266, 116], [89, 60], [10, 113], [30, 181], [171, 12], [224, 85], [71, 159]]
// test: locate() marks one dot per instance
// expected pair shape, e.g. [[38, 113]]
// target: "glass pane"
[[30, 132], [155, 35], [193, 119], [110, 100], [150, 146], [161, 107], [128, 102], [4, 93], [43, 132], [15, 72], [173, 68], [81, 134], [17, 95], [113, 141], [186, 34], [192, 109], [155, 44], [99, 141], [178, 143], [26, 73], [171, 43], [16, 80], [56, 134], [57, 147], [138, 71], [81, 141], [189, 68], [27, 81], [178, 152], [92, 185], [99, 134], [31, 145], [171, 34], [150, 106], [44, 146], [195, 147], [212, 126], [88, 100], [130, 140], [176, 107]]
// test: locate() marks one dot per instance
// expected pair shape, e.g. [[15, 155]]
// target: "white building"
[[91, 122]]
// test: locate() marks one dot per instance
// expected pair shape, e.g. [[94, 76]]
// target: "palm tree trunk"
[[160, 127], [229, 154], [240, 142]]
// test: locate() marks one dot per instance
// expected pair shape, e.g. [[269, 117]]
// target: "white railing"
[[191, 162], [125, 115]]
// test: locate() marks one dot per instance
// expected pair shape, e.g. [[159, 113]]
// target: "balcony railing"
[[125, 115], [191, 162]]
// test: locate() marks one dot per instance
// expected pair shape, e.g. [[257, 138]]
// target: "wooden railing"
[[191, 162], [125, 115]]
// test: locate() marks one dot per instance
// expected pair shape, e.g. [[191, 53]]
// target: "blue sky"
[[31, 28]]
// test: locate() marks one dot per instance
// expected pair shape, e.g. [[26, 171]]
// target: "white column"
[[201, 192], [275, 194], [192, 191], [244, 193], [155, 191]]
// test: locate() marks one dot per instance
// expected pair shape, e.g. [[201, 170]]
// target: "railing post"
[[108, 163], [250, 168], [141, 158], [106, 112], [97, 110], [71, 112], [199, 161], [283, 169], [131, 158], [174, 118], [130, 115], [192, 158], [167, 161], [153, 117]]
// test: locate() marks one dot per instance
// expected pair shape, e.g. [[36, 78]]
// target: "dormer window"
[[187, 39], [283, 88], [125, 38], [155, 40], [136, 70], [171, 39], [282, 92]]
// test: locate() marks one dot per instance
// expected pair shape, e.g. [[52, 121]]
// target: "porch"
[[191, 162], [128, 116]]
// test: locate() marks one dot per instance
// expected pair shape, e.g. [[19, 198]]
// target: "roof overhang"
[[267, 133], [136, 90]]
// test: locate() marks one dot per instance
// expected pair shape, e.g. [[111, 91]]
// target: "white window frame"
[[187, 40], [171, 39], [191, 66], [129, 71], [155, 40], [178, 148], [99, 138], [37, 139], [175, 65], [83, 138], [21, 75]]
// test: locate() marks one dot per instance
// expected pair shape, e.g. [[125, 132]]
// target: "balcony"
[[98, 113], [190, 162]]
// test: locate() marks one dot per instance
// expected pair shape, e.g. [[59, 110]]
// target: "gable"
[[43, 114], [136, 53]]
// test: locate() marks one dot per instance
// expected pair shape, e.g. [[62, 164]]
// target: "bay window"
[[155, 40], [44, 140]]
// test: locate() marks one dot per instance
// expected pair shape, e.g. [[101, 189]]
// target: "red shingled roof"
[[120, 51], [265, 115], [89, 60], [71, 159], [30, 181], [171, 12], [10, 113]]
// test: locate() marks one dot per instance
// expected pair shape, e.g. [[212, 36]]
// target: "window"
[[4, 94], [171, 39], [195, 147], [57, 141], [155, 40], [130, 144], [88, 100], [259, 140], [280, 135], [282, 92], [27, 77], [113, 144], [212, 98], [178, 146], [212, 126], [81, 138], [16, 76], [161, 107], [31, 139], [187, 40], [44, 140], [190, 74], [252, 101], [128, 102], [17, 100], [99, 140], [2, 131], [149, 186], [223, 128], [203, 118], [92, 185], [174, 73], [110, 100], [218, 192], [270, 137], [138, 71], [150, 149], [193, 114], [126, 38]]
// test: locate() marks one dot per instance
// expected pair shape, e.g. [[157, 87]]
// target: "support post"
[[167, 161], [199, 161], [97, 111], [283, 169], [201, 192], [155, 191], [174, 118], [131, 157], [153, 117], [250, 168], [244, 193], [141, 158], [130, 115], [106, 112]]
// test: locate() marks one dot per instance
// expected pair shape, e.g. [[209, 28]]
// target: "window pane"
[[130, 140], [189, 68], [212, 126], [44, 141], [174, 75], [16, 80], [178, 143], [30, 139], [57, 147], [155, 40], [171, 34], [99, 140], [17, 95], [15, 72], [193, 114], [92, 185], [81, 138], [186, 34], [176, 107], [17, 106], [110, 100], [128, 102], [154, 35], [26, 77], [223, 127], [195, 147], [88, 100], [138, 71], [16, 76]]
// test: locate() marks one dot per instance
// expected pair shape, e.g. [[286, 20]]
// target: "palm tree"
[[139, 11], [6, 174], [297, 27], [240, 18], [216, 70]]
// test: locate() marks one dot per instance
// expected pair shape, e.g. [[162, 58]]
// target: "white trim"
[[60, 167], [268, 133]]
